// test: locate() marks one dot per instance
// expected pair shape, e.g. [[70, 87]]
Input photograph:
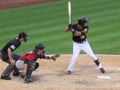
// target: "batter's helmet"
[[23, 35], [39, 47], [82, 20]]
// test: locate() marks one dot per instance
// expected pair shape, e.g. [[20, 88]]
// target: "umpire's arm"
[[10, 56]]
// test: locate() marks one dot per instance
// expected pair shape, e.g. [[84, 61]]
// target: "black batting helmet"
[[39, 47], [82, 20], [23, 35]]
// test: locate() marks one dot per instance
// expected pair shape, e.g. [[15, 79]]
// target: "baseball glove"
[[54, 57]]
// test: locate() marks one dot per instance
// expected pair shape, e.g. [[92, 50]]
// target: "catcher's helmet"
[[82, 20], [39, 47], [23, 35]]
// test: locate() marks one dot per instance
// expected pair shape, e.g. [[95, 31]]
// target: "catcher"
[[27, 63]]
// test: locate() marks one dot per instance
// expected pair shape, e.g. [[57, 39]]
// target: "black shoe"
[[30, 80], [69, 72], [16, 73], [26, 80], [22, 76], [102, 70], [5, 77]]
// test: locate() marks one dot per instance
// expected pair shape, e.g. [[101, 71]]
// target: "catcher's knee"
[[33, 65], [36, 65]]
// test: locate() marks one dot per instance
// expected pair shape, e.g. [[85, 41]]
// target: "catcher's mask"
[[39, 47], [82, 20], [23, 35]]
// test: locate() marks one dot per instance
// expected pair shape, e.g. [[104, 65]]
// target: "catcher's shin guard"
[[36, 65], [27, 78], [31, 67], [16, 72]]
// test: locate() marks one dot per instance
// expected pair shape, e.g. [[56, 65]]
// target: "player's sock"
[[99, 65]]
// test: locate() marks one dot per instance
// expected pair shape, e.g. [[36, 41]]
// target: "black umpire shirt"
[[13, 45]]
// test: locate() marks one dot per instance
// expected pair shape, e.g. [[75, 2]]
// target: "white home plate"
[[103, 77], [118, 69]]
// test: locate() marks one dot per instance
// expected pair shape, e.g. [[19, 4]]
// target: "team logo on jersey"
[[12, 47]]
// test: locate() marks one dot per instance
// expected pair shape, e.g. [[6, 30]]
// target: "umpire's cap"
[[39, 47], [23, 35], [82, 20]]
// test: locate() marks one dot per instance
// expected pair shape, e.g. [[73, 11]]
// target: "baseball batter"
[[80, 42]]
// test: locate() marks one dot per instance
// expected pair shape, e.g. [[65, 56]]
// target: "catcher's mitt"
[[55, 57]]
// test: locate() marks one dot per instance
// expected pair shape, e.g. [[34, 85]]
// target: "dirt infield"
[[6, 4], [51, 75]]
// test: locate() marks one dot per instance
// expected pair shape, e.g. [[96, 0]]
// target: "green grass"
[[45, 23]]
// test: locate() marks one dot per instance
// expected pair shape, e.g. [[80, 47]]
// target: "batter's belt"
[[80, 42]]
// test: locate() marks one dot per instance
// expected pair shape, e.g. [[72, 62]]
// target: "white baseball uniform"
[[79, 44], [77, 47]]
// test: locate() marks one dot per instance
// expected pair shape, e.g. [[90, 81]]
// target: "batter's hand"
[[70, 27], [77, 33], [83, 35]]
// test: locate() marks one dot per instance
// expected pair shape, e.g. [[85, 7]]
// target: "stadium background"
[[45, 24]]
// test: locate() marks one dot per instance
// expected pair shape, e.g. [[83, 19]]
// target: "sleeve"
[[14, 44], [12, 47], [86, 29], [72, 28]]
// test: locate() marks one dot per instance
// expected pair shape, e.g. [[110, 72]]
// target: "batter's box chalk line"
[[113, 68]]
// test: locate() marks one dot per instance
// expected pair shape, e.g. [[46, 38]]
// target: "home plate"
[[118, 69], [103, 77]]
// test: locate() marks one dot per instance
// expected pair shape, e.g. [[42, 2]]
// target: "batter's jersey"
[[78, 38]]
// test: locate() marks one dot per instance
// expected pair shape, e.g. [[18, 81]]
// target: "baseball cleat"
[[69, 72], [5, 77], [102, 70], [28, 80], [16, 73]]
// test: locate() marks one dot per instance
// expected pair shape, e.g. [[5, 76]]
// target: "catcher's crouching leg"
[[31, 67], [36, 65]]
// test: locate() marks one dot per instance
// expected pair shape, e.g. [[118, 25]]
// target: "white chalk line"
[[95, 54]]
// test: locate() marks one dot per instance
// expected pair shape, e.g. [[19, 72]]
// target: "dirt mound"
[[52, 75]]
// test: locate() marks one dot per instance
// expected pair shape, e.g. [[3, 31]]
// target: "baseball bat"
[[69, 12]]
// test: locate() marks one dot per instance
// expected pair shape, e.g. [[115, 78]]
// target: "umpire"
[[10, 58]]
